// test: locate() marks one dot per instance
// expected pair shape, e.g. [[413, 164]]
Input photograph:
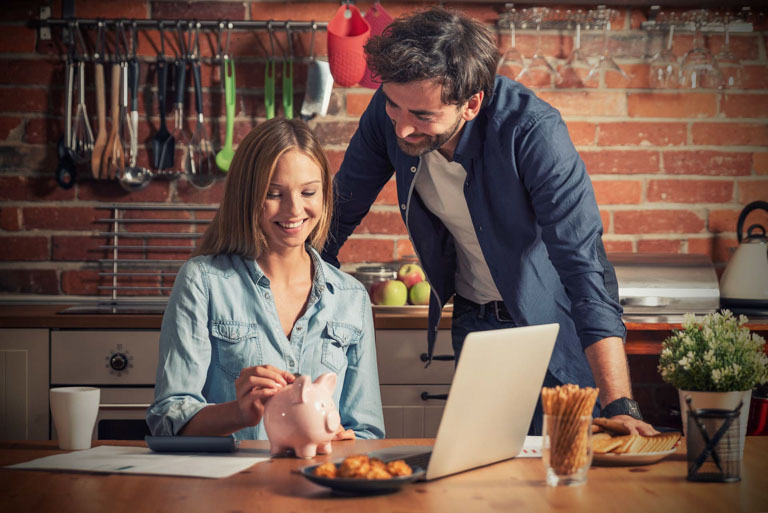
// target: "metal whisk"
[[82, 139]]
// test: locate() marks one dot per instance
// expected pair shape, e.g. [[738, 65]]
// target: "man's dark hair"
[[437, 44]]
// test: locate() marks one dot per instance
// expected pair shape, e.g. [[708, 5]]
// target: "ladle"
[[134, 177]]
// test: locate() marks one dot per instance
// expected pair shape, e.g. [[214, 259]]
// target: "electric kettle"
[[744, 284]]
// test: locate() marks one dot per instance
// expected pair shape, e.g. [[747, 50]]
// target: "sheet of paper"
[[140, 460], [531, 447]]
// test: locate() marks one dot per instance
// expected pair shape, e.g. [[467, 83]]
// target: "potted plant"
[[717, 361]]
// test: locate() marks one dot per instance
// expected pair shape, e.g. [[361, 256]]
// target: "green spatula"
[[269, 88], [224, 156]]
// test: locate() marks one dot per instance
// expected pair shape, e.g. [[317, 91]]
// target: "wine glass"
[[729, 64], [576, 66], [605, 64], [699, 69], [538, 71], [511, 63], [665, 68]]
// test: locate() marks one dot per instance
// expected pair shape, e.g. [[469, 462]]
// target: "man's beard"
[[429, 143]]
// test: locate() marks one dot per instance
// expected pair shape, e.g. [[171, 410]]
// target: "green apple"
[[391, 293], [419, 293]]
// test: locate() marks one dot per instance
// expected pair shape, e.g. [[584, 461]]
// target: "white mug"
[[74, 411]]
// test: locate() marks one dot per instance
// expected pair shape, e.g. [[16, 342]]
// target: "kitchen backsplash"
[[671, 168]]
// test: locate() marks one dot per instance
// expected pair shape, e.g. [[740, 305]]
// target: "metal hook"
[[271, 40], [81, 40], [182, 43], [98, 55], [312, 41], [122, 41], [134, 39], [289, 38]]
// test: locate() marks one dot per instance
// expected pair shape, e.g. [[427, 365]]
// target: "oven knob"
[[118, 361]]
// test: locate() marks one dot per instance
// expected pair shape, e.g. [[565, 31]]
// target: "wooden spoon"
[[114, 148], [101, 112]]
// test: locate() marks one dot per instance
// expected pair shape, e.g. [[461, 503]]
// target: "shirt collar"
[[470, 143], [320, 282]]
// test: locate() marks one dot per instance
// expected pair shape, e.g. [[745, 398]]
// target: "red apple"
[[419, 293], [411, 274]]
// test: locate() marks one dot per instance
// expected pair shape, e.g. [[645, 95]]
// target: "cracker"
[[603, 445]]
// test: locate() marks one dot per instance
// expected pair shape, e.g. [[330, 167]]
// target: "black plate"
[[347, 485]]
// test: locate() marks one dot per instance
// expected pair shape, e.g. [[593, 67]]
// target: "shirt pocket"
[[236, 346], [337, 339]]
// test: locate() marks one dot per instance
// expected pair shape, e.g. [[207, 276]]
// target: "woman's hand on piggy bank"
[[343, 434], [254, 386]]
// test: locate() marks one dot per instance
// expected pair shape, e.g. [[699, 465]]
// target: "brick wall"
[[671, 168]]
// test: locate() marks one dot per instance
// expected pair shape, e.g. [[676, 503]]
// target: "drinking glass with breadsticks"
[[567, 433]]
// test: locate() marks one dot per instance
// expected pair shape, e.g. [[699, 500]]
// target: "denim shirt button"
[[291, 362], [413, 169], [267, 295], [298, 328], [402, 206]]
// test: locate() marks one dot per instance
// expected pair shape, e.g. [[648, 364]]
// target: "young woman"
[[255, 305]]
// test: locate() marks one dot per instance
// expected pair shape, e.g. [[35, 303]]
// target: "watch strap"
[[622, 406]]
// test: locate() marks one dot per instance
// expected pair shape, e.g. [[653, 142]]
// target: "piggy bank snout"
[[332, 421]]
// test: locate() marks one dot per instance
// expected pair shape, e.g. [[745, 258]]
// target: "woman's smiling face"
[[294, 202]]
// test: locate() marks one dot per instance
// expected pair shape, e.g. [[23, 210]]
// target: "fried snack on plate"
[[399, 468], [355, 466], [326, 470]]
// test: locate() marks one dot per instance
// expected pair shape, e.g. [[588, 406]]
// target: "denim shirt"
[[221, 317], [533, 209]]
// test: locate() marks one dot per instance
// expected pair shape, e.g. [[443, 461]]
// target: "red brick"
[[717, 248], [570, 78], [690, 191], [78, 248], [616, 246], [304, 11], [641, 134], [335, 158], [59, 218], [111, 9], [388, 194], [172, 254], [32, 71], [23, 10], [29, 281], [639, 76], [760, 163], [754, 77], [11, 128], [334, 132], [377, 222], [404, 249], [658, 246], [17, 39], [671, 105], [199, 10], [636, 19], [730, 134], [586, 103], [746, 105], [357, 103], [188, 193], [367, 250], [753, 190], [726, 221], [14, 99], [33, 158], [110, 191], [24, 248], [605, 218], [84, 282], [714, 163], [582, 133], [27, 188], [743, 46], [657, 221], [620, 161], [9, 219], [44, 130], [618, 192]]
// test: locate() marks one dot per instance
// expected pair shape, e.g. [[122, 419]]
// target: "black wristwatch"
[[622, 406]]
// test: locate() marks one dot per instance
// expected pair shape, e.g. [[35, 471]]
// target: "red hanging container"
[[346, 37], [378, 19]]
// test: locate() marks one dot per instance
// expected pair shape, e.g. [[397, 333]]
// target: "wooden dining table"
[[276, 486]]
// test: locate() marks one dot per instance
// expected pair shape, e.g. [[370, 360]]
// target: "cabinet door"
[[407, 414], [399, 356], [23, 384]]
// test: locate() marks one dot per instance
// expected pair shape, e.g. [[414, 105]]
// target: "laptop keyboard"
[[419, 460]]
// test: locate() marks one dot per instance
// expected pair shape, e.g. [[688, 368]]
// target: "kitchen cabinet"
[[407, 388], [23, 384]]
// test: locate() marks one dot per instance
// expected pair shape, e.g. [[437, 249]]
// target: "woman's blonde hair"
[[235, 228]]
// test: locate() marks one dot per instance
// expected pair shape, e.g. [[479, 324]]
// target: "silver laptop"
[[491, 401]]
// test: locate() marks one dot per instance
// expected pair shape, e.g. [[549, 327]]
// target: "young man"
[[496, 200]]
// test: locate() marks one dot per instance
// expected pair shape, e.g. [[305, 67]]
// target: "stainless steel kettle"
[[744, 284]]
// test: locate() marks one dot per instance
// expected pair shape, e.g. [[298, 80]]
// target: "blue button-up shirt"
[[533, 209], [221, 317]]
